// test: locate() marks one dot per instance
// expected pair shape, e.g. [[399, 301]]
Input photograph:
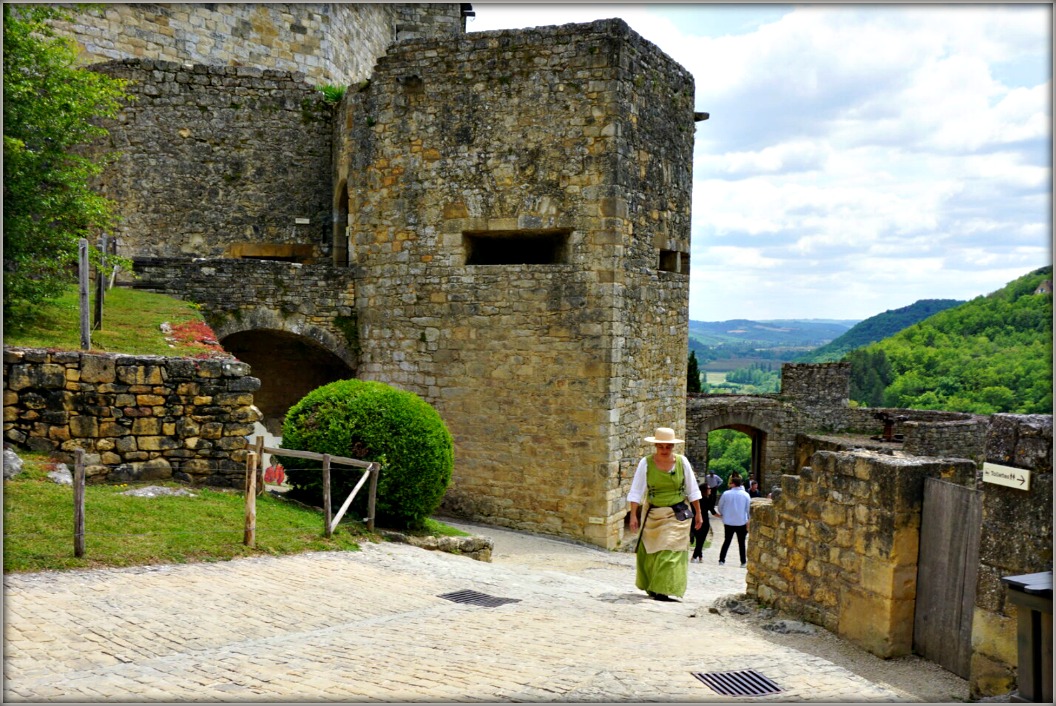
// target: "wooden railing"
[[371, 470]]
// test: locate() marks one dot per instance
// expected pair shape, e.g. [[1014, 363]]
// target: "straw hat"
[[663, 435]]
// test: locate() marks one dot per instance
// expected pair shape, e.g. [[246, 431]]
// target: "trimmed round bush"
[[371, 421]]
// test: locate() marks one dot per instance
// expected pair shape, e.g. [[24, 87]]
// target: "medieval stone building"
[[500, 223], [496, 221]]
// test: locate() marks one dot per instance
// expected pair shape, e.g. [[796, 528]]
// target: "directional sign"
[[1006, 475]]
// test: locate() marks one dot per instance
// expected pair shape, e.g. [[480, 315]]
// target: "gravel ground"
[[719, 592]]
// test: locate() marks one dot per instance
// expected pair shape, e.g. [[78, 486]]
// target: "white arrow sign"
[[1006, 475]]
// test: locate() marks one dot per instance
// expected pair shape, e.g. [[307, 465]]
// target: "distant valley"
[[722, 346]]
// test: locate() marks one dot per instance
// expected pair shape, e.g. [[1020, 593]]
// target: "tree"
[[693, 374], [51, 114]]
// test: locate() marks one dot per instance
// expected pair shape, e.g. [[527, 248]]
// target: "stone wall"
[[570, 147], [136, 417], [220, 161], [1016, 538], [955, 439], [838, 546], [331, 43]]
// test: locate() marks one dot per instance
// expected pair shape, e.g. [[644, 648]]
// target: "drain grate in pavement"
[[477, 598], [746, 682]]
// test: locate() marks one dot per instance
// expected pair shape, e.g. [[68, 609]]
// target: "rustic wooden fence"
[[255, 485]]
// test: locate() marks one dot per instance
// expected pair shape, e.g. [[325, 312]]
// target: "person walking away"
[[665, 487], [712, 480], [697, 537], [734, 507]]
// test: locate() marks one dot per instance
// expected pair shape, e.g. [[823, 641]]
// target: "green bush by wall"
[[371, 421]]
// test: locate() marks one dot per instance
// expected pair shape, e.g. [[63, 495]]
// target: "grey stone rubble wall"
[[314, 301], [220, 161], [135, 417], [331, 43], [954, 439], [863, 419], [820, 391]]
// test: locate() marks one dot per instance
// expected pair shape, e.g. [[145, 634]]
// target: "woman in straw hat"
[[665, 486]]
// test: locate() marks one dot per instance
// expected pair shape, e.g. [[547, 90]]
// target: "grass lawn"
[[123, 530], [132, 324]]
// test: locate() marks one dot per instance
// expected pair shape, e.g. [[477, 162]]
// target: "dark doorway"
[[288, 366]]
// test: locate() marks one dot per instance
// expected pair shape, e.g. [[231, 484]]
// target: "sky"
[[858, 158]]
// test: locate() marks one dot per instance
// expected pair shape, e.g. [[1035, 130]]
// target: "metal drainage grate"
[[477, 598], [747, 682]]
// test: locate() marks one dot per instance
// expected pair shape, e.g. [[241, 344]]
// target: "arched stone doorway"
[[757, 469], [288, 366]]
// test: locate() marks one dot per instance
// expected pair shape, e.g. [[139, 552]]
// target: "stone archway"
[[766, 420], [288, 365]]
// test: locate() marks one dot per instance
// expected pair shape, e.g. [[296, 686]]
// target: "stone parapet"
[[135, 417], [246, 295]]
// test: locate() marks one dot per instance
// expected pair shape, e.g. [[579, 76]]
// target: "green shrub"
[[373, 422]]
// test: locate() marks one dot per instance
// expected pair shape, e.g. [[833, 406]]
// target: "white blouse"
[[639, 486]]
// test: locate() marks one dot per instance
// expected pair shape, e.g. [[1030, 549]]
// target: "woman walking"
[[665, 487]]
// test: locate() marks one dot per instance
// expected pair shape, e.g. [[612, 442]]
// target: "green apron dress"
[[664, 569]]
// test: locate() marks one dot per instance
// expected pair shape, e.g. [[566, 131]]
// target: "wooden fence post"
[[326, 495], [250, 537], [100, 283], [375, 471], [260, 463], [78, 504], [82, 278]]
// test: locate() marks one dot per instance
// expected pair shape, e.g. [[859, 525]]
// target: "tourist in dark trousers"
[[734, 506], [712, 481], [697, 537]]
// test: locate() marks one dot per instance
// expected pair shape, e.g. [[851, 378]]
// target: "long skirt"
[[663, 553]]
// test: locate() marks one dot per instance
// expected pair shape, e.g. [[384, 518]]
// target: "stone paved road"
[[370, 626]]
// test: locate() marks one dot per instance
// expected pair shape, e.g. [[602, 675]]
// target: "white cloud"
[[858, 157]]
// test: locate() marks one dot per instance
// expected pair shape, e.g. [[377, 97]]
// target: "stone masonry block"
[[879, 625], [98, 368]]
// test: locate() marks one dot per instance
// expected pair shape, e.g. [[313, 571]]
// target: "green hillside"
[[991, 354], [876, 328]]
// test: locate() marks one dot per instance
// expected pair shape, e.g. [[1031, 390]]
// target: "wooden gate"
[[947, 569]]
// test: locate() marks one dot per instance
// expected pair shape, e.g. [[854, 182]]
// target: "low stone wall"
[[136, 417], [863, 419], [838, 546], [956, 439]]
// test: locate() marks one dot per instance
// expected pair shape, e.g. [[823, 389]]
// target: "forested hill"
[[991, 354], [876, 328]]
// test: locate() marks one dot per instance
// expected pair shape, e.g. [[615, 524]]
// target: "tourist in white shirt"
[[733, 509]]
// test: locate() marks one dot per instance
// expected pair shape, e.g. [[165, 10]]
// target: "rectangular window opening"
[[674, 261], [517, 247]]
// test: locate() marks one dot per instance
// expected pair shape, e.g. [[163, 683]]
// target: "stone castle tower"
[[496, 221]]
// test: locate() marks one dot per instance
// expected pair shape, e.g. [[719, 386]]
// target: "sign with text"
[[1006, 475]]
